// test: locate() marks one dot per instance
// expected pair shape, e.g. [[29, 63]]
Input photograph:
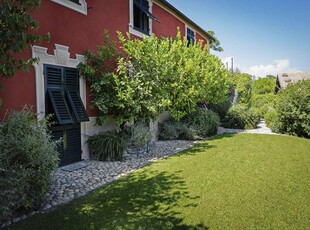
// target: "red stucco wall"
[[168, 23], [79, 32]]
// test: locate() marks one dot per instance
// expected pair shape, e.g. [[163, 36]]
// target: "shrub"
[[172, 130], [27, 158], [139, 135], [240, 117], [108, 146], [197, 125], [221, 108], [293, 109], [263, 102], [205, 122], [272, 120]]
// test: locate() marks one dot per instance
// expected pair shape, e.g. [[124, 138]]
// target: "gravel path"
[[261, 129], [69, 185]]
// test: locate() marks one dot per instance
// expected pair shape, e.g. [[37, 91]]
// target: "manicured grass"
[[241, 181]]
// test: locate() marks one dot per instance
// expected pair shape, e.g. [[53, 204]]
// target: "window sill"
[[137, 33]]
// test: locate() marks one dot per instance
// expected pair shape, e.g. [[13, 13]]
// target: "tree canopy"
[[264, 85], [154, 75], [17, 31], [215, 45]]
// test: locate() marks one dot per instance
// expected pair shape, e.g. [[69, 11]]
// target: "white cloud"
[[279, 66]]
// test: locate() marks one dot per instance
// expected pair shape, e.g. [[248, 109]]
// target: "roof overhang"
[[185, 18]]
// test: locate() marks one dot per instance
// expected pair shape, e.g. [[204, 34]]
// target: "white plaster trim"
[[61, 57], [131, 29], [81, 8]]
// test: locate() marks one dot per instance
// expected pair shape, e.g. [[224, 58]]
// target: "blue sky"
[[263, 36]]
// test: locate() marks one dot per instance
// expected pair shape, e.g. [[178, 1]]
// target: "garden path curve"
[[261, 129]]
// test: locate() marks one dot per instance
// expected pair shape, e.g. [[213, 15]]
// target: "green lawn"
[[235, 181]]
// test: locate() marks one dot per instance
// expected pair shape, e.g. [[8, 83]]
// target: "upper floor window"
[[190, 36], [76, 5], [75, 1], [141, 17]]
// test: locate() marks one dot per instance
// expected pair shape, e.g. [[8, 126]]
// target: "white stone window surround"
[[131, 28], [81, 7], [187, 27], [61, 57]]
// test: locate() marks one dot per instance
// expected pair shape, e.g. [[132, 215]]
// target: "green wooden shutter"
[[55, 92], [60, 106], [72, 92]]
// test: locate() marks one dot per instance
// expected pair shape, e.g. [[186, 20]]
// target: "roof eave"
[[179, 13]]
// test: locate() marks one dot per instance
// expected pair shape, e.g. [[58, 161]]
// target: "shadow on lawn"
[[203, 146], [145, 200]]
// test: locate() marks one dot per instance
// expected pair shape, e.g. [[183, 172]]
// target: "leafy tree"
[[263, 102], [243, 84], [292, 110], [152, 76], [17, 31], [271, 76], [98, 70], [264, 85], [215, 45]]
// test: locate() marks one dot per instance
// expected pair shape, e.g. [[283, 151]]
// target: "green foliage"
[[154, 75], [271, 77], [229, 182], [139, 135], [108, 146], [196, 125], [17, 32], [173, 130], [243, 84], [27, 157], [272, 121], [221, 108], [205, 122], [168, 75], [98, 70], [263, 102], [240, 117], [293, 109], [215, 45], [264, 85]]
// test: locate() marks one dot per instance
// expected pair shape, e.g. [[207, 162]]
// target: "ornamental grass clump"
[[108, 146], [27, 158]]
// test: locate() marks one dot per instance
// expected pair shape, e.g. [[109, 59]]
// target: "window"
[[141, 17], [62, 92], [76, 1], [190, 36], [76, 5]]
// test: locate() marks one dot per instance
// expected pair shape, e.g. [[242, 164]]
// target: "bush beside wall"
[[197, 125], [27, 158]]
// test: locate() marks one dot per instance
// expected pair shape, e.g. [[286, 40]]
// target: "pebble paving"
[[72, 184], [69, 185]]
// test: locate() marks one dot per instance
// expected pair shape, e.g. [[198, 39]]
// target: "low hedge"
[[108, 146], [197, 125], [240, 117]]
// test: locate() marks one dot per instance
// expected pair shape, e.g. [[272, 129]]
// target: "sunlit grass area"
[[234, 181]]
